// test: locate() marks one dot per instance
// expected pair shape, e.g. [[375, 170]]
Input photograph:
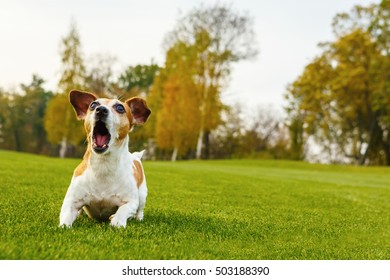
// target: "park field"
[[231, 209]]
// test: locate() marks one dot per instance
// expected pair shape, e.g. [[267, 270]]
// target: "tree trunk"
[[373, 128], [386, 149], [199, 145], [387, 153], [18, 145], [207, 145], [40, 141], [174, 154], [63, 147]]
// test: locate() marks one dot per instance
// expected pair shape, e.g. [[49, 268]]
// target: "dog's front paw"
[[139, 216], [65, 226], [65, 222], [115, 222]]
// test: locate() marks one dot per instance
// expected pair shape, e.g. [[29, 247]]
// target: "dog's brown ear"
[[80, 101], [139, 110]]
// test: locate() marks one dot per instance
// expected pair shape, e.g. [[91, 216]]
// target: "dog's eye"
[[119, 108], [93, 105]]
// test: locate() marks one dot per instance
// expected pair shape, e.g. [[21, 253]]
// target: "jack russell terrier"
[[109, 184]]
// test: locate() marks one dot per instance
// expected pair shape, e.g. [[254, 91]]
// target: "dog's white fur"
[[105, 184]]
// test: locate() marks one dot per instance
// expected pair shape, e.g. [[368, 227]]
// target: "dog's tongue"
[[101, 139]]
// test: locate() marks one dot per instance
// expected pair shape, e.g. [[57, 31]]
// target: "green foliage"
[[238, 209], [297, 141], [21, 118], [138, 79]]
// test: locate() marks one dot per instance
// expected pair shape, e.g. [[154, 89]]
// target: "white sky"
[[288, 32]]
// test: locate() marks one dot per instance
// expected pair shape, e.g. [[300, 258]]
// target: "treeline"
[[340, 102], [189, 119], [342, 98]]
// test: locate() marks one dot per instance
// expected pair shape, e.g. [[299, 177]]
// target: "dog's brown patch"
[[138, 173], [83, 165], [124, 129], [125, 123]]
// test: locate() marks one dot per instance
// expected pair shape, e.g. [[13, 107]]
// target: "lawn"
[[234, 209]]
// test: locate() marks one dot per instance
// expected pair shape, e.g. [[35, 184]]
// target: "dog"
[[109, 184]]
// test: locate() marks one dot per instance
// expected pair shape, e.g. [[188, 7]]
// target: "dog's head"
[[107, 121]]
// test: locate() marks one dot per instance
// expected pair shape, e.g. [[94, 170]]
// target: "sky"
[[287, 35]]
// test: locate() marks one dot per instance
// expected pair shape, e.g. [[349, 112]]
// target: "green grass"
[[236, 209]]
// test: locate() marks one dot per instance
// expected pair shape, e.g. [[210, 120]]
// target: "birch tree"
[[177, 119], [60, 124], [221, 37]]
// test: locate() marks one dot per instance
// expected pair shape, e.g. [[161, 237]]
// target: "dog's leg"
[[69, 213], [142, 192], [127, 210]]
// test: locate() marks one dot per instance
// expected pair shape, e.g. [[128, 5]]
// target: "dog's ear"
[[80, 101], [139, 110]]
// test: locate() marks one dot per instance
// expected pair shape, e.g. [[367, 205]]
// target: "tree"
[[258, 134], [60, 124], [297, 140], [99, 77], [5, 121], [177, 119], [21, 126], [219, 37], [137, 80], [14, 122], [34, 101], [263, 129], [342, 97], [3, 103], [155, 100], [226, 140]]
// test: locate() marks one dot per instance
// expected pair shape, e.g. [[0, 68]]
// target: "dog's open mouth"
[[100, 137]]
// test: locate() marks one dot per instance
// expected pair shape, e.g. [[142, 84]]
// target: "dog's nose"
[[101, 111]]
